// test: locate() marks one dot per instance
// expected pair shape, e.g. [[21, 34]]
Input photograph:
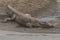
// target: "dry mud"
[[11, 26]]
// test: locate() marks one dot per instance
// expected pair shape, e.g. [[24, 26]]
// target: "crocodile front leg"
[[9, 19]]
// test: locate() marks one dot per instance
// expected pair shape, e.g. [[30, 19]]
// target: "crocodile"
[[25, 19]]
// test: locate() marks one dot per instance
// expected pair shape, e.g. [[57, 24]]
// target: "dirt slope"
[[36, 7], [33, 7]]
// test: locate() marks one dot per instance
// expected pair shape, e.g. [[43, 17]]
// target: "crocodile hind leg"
[[9, 19]]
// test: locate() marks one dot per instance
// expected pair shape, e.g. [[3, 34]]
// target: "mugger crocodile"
[[25, 19]]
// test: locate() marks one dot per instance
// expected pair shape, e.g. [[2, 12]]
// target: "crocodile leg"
[[9, 19], [29, 25]]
